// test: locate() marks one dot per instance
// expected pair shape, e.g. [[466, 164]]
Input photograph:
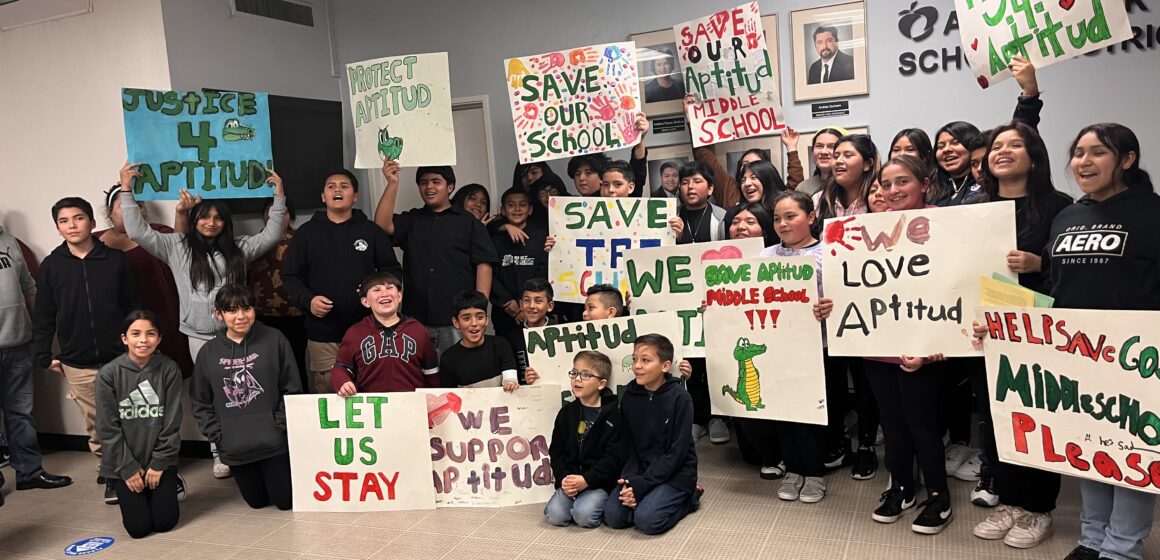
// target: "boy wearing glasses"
[[588, 446]]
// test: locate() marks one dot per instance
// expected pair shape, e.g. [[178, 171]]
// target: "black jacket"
[[661, 428], [82, 302], [237, 391], [841, 69], [332, 259], [601, 456]]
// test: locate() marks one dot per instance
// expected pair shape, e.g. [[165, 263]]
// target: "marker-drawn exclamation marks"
[[760, 316]]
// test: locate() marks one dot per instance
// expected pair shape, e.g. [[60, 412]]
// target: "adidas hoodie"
[[138, 415], [237, 391]]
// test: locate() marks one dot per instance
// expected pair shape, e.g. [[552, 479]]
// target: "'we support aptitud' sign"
[[592, 235], [1043, 31], [368, 452], [905, 283], [1073, 391], [727, 63], [216, 144], [573, 102]]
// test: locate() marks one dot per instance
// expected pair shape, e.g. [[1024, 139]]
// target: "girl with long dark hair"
[[760, 184]]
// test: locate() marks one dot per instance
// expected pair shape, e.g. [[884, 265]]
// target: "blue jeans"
[[586, 509], [1116, 520], [16, 398], [658, 512]]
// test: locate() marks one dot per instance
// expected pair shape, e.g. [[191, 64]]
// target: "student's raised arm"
[[158, 244], [639, 160], [254, 246], [726, 192], [185, 203], [1029, 105], [385, 212], [794, 173]]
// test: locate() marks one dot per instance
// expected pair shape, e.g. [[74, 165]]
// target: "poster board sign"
[[401, 110], [592, 235], [489, 448], [215, 144], [905, 283], [1043, 32], [551, 348], [671, 279], [726, 62], [767, 358], [1073, 391], [368, 452], [574, 102]]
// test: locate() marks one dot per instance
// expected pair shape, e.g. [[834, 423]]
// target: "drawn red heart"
[[439, 407], [1066, 4], [727, 252], [975, 44], [983, 83]]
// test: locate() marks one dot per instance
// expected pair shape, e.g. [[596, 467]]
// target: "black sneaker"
[[984, 494], [4, 456], [110, 494], [1082, 553], [936, 514], [101, 481], [180, 489], [837, 456], [895, 500], [865, 463]]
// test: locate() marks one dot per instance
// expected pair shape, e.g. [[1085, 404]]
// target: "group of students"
[[320, 308]]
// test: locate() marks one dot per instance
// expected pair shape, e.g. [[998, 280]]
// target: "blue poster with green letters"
[[213, 143]]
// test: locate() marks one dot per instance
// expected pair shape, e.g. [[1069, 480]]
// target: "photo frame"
[[805, 143], [729, 153], [658, 157], [846, 73]]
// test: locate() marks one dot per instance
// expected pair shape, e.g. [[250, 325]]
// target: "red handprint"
[[550, 61], [628, 130], [604, 110], [586, 55], [836, 233], [528, 118]]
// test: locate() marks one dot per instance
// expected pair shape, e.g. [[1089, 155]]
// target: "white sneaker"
[[221, 470], [970, 469], [791, 487], [773, 472], [718, 431], [956, 454], [813, 490], [998, 523], [1030, 529], [699, 432]]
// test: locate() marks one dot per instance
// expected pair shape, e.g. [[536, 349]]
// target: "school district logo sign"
[[928, 15], [88, 546]]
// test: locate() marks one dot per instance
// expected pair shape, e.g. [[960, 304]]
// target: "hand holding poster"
[[573, 102], [401, 107], [489, 448], [216, 144], [592, 235], [671, 279], [767, 357], [1043, 31], [726, 62], [902, 280], [363, 453], [1074, 392]]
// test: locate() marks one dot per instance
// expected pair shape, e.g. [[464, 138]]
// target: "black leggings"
[[149, 511], [265, 482], [908, 403], [801, 444], [838, 401], [698, 387], [955, 398], [758, 441]]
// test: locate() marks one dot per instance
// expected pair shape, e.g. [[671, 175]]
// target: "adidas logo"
[[143, 402]]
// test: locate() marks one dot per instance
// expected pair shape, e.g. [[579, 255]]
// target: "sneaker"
[[180, 488], [956, 454], [220, 470], [936, 514], [1030, 529], [813, 490], [970, 469], [773, 473], [865, 464], [984, 493], [110, 494], [791, 487], [699, 432], [836, 457], [998, 523], [1082, 552], [101, 481], [4, 456], [895, 500], [718, 431]]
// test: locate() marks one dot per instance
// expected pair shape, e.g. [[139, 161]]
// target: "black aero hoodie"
[[661, 424], [138, 415], [237, 391], [1106, 254]]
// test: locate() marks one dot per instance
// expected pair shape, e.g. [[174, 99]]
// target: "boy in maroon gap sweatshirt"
[[385, 352]]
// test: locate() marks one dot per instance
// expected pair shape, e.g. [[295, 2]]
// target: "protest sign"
[[670, 279], [1073, 391], [489, 448], [216, 144], [574, 102], [902, 280], [767, 358], [368, 452], [401, 109], [551, 348], [727, 64], [592, 235], [1045, 32]]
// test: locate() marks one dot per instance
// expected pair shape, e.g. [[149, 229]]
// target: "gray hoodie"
[[196, 306], [138, 415], [15, 285]]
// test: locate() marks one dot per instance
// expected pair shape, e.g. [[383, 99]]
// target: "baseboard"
[[69, 442]]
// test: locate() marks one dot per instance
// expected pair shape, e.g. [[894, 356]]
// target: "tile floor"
[[740, 517]]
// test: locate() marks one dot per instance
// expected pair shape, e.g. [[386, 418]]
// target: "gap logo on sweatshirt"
[[390, 348], [1076, 245], [241, 388], [142, 402]]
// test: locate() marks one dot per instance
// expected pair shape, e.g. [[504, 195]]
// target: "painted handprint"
[[604, 109], [836, 234], [550, 61], [612, 61], [628, 130], [627, 99], [516, 71], [586, 55], [527, 118]]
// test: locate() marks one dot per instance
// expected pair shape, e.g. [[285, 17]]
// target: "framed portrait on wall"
[[663, 166], [829, 52], [730, 153], [806, 144]]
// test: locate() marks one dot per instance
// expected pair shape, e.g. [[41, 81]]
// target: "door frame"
[[482, 102]]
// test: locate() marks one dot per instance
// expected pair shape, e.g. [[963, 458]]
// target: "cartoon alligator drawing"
[[389, 147], [234, 131], [748, 390]]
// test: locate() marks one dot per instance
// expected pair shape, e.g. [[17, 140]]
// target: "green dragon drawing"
[[748, 390], [389, 147], [234, 131]]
